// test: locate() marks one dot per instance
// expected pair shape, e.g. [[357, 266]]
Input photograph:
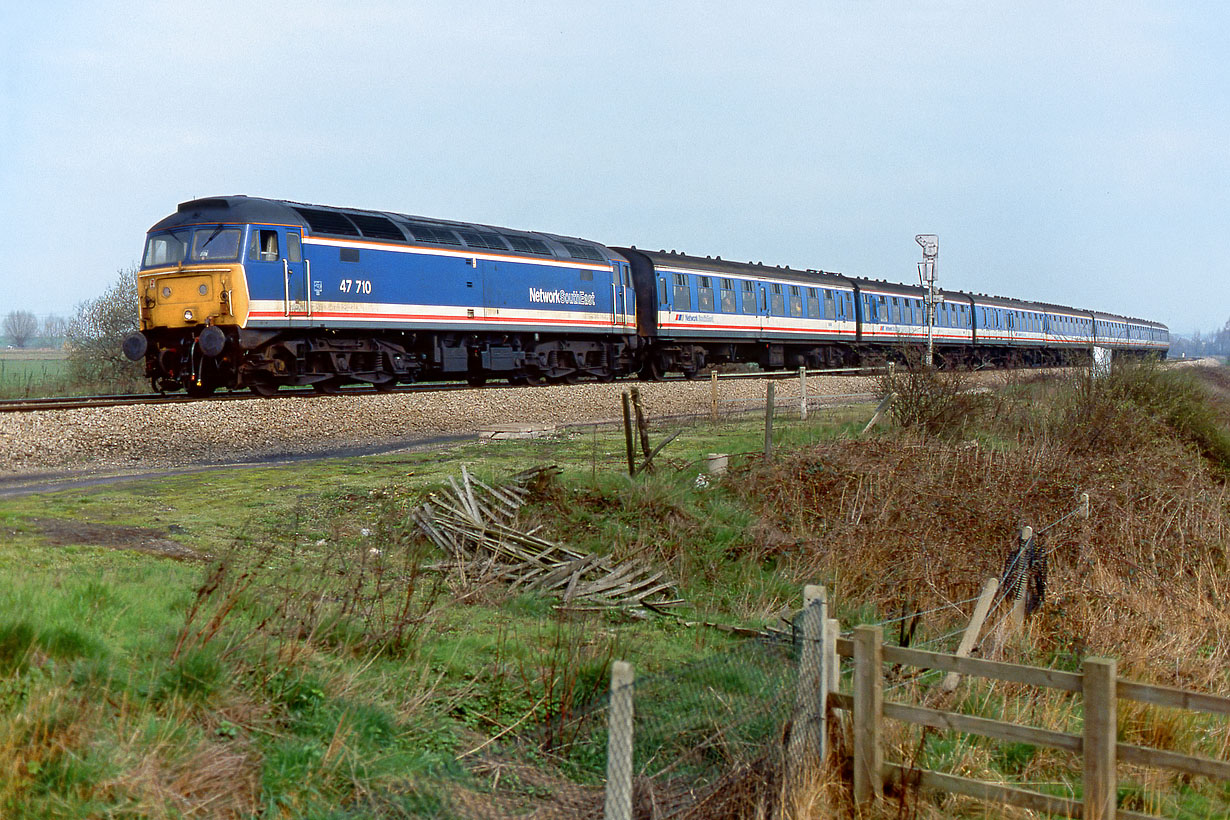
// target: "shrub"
[[94, 336]]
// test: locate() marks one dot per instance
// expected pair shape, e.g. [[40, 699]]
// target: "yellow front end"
[[193, 296]]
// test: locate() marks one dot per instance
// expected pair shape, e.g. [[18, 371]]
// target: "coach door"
[[623, 309], [296, 278]]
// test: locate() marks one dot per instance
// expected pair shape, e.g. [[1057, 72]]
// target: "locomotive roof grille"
[[528, 244], [482, 239], [376, 227], [579, 251], [430, 233], [327, 221]]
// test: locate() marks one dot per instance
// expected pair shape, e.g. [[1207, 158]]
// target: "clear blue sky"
[[1070, 152]]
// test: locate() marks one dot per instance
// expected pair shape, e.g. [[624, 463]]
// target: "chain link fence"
[[716, 738]]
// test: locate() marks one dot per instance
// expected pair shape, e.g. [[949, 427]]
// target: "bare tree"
[[20, 326], [54, 327], [94, 336]]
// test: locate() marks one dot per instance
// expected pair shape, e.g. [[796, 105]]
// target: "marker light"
[[187, 315]]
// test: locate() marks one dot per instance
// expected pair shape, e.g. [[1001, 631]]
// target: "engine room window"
[[216, 244], [587, 276], [348, 254]]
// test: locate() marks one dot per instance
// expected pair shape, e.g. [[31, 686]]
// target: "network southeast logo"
[[563, 297]]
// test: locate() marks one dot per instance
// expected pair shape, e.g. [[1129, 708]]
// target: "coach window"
[[704, 293], [749, 297], [777, 300], [683, 292], [728, 296], [796, 301], [813, 304]]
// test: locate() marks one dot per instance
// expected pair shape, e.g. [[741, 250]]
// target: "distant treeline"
[[1200, 344]]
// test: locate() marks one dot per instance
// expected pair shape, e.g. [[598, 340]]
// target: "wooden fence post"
[[713, 397], [832, 663], [768, 420], [642, 426], [868, 708], [981, 609], [628, 434], [1100, 738], [803, 393], [808, 735], [618, 797], [1017, 618]]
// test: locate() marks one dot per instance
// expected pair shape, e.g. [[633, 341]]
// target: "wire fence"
[[703, 734]]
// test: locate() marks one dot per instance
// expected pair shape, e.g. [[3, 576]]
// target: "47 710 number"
[[355, 286]]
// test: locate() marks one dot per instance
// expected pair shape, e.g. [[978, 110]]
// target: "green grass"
[[332, 720], [126, 677], [31, 373]]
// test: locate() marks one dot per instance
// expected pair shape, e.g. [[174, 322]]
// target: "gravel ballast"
[[179, 435]]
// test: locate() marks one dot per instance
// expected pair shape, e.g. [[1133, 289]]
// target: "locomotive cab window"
[[216, 244], [165, 249], [294, 252], [263, 246]]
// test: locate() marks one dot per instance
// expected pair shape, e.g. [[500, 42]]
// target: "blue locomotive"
[[242, 292]]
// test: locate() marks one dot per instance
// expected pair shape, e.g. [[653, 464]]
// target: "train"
[[241, 292]]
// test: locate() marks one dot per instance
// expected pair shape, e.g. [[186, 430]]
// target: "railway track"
[[123, 400], [136, 399]]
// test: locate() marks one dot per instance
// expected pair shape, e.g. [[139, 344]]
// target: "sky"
[[1075, 153]]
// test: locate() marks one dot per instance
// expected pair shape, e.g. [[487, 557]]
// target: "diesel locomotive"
[[243, 292]]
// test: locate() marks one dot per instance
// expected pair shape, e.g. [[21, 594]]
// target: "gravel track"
[[176, 436], [181, 435]]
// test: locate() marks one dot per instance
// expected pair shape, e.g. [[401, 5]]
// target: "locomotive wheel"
[[651, 371], [328, 387], [200, 391], [263, 389], [387, 386], [691, 374]]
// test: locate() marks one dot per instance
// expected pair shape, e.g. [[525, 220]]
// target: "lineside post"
[[768, 420], [628, 434], [713, 397], [803, 393]]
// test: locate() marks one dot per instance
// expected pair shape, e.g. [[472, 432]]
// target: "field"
[[32, 373], [282, 642]]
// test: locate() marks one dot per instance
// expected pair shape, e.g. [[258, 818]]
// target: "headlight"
[[187, 315]]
